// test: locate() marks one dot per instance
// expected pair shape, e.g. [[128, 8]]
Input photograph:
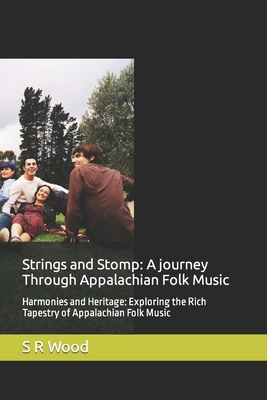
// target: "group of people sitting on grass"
[[96, 200]]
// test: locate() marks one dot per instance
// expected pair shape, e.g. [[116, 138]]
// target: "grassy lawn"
[[51, 237]]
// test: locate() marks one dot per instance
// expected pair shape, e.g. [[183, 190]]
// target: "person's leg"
[[25, 237], [5, 220], [16, 230], [61, 202], [5, 224]]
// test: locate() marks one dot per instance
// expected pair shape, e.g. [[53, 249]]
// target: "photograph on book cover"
[[67, 195]]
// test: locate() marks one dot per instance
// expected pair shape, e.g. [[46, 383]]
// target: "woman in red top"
[[34, 218]]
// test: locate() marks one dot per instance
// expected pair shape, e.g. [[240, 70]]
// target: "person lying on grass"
[[23, 190], [35, 218]]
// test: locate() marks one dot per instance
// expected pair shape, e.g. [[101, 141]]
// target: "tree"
[[44, 130], [47, 135], [64, 136], [109, 122], [30, 118], [73, 137], [7, 154]]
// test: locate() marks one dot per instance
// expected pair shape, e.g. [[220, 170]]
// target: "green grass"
[[51, 237]]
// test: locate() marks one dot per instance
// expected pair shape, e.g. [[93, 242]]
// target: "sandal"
[[15, 239]]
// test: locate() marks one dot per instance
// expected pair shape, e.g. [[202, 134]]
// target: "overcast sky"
[[68, 81]]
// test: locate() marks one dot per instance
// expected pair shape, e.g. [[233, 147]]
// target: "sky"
[[67, 81]]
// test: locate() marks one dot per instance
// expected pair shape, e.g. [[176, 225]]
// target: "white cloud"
[[68, 81], [10, 138]]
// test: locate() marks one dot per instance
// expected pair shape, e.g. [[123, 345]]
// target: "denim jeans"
[[5, 220]]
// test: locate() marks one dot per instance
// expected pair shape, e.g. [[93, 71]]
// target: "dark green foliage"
[[30, 118], [48, 135], [109, 122], [9, 154]]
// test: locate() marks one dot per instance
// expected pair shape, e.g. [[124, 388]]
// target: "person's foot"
[[4, 235], [15, 239]]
